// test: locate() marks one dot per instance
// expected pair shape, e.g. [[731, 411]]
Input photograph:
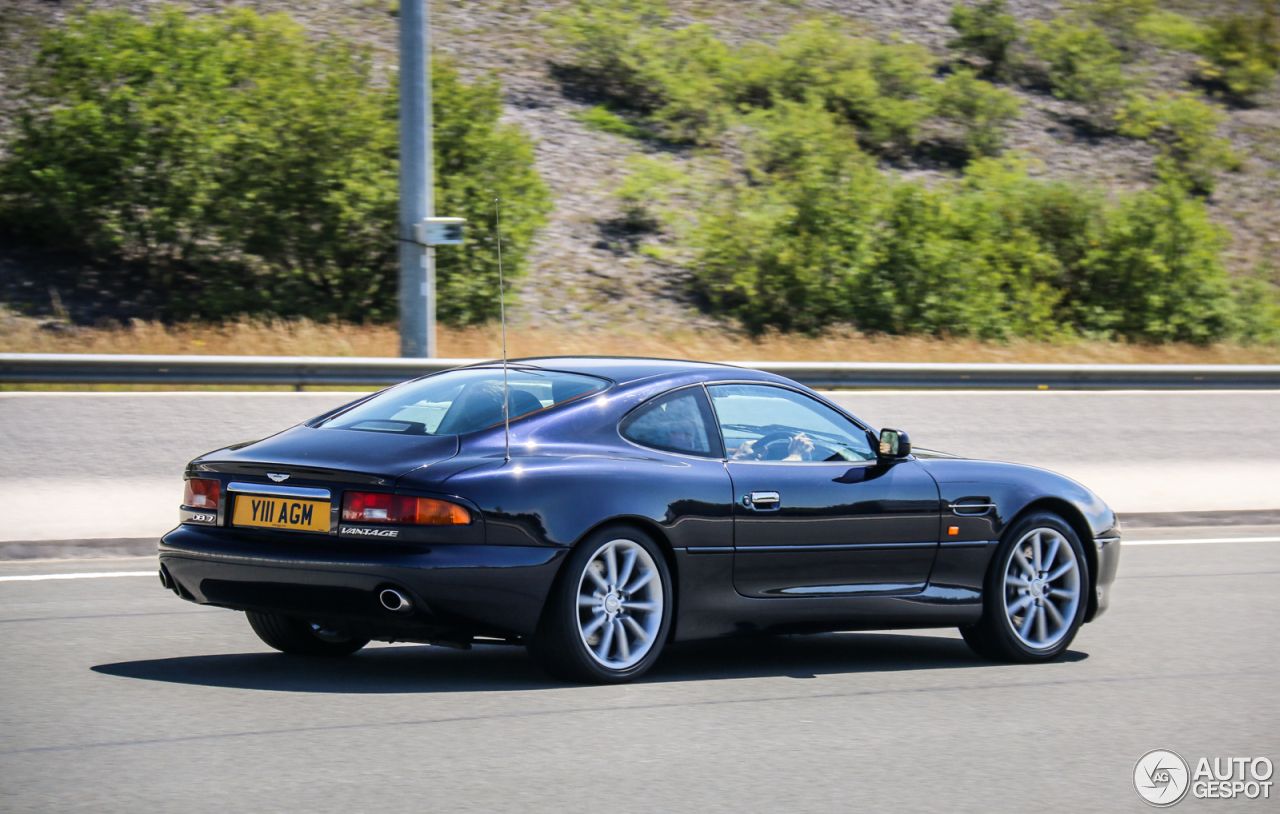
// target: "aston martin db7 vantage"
[[595, 509]]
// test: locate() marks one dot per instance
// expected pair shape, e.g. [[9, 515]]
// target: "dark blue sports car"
[[633, 502]]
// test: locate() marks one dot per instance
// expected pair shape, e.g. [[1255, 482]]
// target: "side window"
[[677, 422], [763, 423]]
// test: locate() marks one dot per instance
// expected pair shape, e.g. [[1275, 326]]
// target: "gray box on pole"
[[416, 290]]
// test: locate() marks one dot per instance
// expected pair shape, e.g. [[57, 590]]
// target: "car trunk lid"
[[331, 454]]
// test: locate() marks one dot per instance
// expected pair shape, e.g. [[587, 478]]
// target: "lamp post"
[[417, 287]]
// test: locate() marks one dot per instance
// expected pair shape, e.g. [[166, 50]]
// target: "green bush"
[[986, 32], [1079, 61], [245, 168], [691, 86], [821, 237], [603, 119], [1172, 30], [1156, 273], [1185, 129], [1242, 52], [1257, 317], [1121, 19], [980, 110], [881, 89]]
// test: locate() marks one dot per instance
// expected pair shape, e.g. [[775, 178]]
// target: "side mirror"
[[894, 444]]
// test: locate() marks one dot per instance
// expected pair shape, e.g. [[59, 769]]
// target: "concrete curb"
[[78, 549]]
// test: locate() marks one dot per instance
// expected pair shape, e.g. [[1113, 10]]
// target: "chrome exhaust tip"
[[166, 581], [394, 601]]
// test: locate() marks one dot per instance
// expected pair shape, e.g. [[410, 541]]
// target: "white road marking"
[[1202, 540], [91, 575]]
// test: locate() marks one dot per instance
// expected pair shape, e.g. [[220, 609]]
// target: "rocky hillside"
[[586, 270]]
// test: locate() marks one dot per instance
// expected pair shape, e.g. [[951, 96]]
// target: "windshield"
[[462, 401]]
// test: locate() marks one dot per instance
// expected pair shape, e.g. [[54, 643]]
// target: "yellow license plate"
[[281, 513]]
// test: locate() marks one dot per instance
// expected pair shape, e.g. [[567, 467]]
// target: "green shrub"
[[882, 89], [980, 110], [1172, 30], [247, 169], [1080, 63], [824, 238], [1121, 19], [1257, 317], [986, 32], [1185, 129], [613, 43], [1242, 52], [1156, 273], [606, 121], [691, 86]]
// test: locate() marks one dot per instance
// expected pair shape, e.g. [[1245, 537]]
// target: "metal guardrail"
[[314, 371]]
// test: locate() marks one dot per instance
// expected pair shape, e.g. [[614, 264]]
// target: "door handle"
[[762, 501]]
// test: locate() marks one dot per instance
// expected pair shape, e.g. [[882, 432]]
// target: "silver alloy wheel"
[[1041, 588], [620, 604]]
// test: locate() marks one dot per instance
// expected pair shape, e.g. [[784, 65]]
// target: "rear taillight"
[[379, 507], [202, 493]]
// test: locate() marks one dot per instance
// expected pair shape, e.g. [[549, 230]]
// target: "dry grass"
[[306, 338]]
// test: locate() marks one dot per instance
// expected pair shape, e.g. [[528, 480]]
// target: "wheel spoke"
[[595, 624], [585, 601], [1054, 614], [1027, 622], [1022, 602], [628, 564], [1062, 571], [1041, 627], [636, 630], [641, 581], [1058, 593], [621, 638], [644, 607], [1054, 543], [1015, 582], [611, 563], [1035, 552], [597, 579], [606, 641], [1023, 564]]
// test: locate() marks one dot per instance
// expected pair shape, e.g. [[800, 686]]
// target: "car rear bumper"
[[467, 589]]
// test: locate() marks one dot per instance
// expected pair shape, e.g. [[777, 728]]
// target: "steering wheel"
[[766, 441]]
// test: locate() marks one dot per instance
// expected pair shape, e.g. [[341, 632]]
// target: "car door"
[[815, 512]]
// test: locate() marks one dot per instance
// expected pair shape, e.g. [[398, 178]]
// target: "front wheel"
[[609, 612], [1034, 598], [290, 635]]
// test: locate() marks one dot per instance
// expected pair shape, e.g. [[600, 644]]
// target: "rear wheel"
[[1034, 598], [290, 635], [609, 612]]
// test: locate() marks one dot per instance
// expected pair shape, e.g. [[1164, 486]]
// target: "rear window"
[[462, 401]]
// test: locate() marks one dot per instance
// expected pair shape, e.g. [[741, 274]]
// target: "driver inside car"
[[799, 448]]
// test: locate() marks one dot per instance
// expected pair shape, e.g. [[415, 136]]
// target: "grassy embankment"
[[306, 338]]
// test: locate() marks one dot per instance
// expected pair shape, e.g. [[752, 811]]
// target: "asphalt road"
[[123, 453], [119, 697]]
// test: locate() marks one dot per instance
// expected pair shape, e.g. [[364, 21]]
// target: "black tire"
[[290, 635], [995, 636], [560, 643]]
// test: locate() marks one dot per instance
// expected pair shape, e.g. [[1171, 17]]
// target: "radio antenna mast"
[[502, 316]]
